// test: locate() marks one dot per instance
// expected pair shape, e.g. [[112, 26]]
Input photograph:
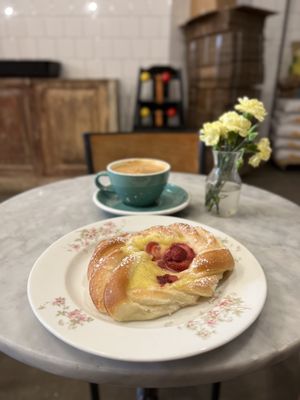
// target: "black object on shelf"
[[159, 104], [29, 69]]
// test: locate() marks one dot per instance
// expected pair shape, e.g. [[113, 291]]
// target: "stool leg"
[[216, 389], [146, 394], [94, 391]]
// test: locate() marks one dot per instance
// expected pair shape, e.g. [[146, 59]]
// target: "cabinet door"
[[65, 110], [17, 154]]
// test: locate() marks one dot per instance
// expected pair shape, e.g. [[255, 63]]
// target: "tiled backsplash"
[[114, 38], [92, 39]]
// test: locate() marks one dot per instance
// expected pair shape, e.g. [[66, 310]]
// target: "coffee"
[[139, 166], [138, 182]]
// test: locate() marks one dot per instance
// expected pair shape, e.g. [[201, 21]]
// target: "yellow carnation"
[[253, 107], [264, 149], [235, 122], [211, 133], [255, 160], [264, 152]]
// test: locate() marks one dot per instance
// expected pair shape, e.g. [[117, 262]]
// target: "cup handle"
[[106, 188]]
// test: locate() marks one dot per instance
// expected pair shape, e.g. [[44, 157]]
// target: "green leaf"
[[240, 162], [253, 127], [248, 116], [251, 148], [252, 136], [232, 137]]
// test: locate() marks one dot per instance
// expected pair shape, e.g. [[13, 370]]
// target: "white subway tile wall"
[[91, 38], [114, 38]]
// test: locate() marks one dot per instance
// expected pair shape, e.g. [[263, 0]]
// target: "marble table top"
[[268, 225]]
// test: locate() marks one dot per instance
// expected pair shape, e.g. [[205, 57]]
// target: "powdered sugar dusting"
[[132, 258]]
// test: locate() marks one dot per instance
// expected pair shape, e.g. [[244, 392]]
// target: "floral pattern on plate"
[[66, 317], [224, 309], [88, 236]]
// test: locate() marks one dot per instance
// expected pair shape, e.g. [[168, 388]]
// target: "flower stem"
[[224, 165]]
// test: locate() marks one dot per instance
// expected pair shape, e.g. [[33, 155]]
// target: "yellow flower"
[[253, 107], [263, 154], [211, 133], [255, 160], [235, 122], [264, 149]]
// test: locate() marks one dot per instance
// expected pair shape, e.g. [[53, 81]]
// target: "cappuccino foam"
[[139, 167]]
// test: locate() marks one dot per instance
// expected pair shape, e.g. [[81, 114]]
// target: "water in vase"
[[229, 199]]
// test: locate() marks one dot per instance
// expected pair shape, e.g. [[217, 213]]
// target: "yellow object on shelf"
[[144, 112], [295, 67], [145, 76]]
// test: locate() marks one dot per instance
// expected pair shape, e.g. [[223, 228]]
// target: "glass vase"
[[223, 184]]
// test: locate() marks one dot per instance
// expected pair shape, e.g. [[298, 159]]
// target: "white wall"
[[112, 42], [121, 36]]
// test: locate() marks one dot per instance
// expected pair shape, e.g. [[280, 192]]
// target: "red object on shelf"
[[171, 112], [165, 76]]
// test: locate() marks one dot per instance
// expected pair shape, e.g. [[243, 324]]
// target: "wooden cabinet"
[[224, 60], [65, 110], [41, 126], [16, 141]]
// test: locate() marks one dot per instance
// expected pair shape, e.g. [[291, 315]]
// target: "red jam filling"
[[167, 278], [176, 258], [153, 248]]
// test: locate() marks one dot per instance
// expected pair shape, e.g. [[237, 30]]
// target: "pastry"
[[155, 272]]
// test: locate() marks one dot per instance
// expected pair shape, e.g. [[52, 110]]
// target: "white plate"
[[58, 295]]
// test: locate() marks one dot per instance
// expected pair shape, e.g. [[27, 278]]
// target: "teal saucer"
[[173, 199]]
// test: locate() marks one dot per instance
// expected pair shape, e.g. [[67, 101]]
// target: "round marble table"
[[266, 224]]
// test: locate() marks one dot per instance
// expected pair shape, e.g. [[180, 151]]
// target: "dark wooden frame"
[[89, 156]]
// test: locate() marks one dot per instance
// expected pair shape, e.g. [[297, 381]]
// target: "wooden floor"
[[280, 382], [20, 382]]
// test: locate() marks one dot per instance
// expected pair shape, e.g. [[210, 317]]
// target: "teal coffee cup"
[[138, 182]]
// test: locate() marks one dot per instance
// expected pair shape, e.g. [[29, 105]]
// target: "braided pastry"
[[155, 272]]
